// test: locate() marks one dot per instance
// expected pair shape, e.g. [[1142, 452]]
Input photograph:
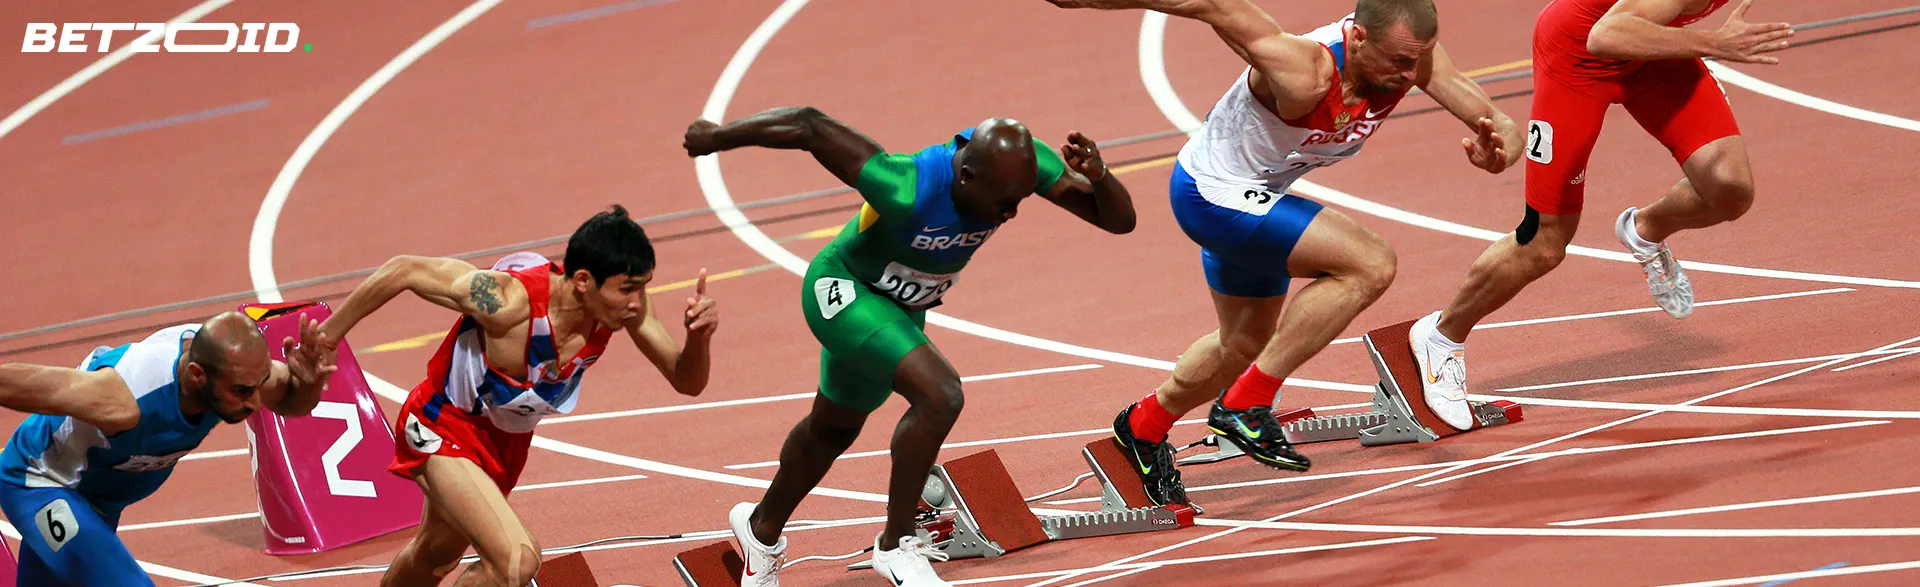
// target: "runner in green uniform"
[[865, 297]]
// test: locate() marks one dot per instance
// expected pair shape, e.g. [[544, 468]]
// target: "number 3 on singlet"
[[913, 288]]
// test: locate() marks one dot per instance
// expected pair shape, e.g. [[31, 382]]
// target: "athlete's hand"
[[310, 362], [703, 316], [1740, 41], [700, 140], [1486, 150], [1083, 156]]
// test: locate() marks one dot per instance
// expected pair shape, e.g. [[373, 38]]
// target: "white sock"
[[1442, 340], [1633, 235]]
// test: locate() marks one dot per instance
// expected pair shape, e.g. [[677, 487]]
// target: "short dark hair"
[[609, 244], [210, 354], [1379, 15]]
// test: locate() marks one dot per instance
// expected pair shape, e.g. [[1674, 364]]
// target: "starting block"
[[565, 571], [972, 509], [1399, 413], [321, 480]]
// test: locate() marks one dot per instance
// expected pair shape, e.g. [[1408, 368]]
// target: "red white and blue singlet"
[[467, 408]]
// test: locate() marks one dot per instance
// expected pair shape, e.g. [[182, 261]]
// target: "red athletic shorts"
[[1677, 101], [502, 455]]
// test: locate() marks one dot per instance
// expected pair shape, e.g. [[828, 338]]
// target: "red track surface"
[[505, 134]]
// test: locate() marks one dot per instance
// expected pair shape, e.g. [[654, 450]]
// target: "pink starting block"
[[9, 566], [322, 480]]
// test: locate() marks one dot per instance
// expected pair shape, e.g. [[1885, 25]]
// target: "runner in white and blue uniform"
[[1303, 102], [107, 435]]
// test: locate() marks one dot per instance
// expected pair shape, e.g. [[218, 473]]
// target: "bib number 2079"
[[911, 287]]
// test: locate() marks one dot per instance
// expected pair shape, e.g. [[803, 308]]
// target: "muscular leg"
[[1351, 267], [433, 553], [811, 447], [1503, 270], [932, 387], [470, 505], [1211, 363], [1718, 187], [1680, 104]]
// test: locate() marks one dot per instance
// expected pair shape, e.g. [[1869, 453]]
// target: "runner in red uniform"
[[528, 331], [1587, 56]]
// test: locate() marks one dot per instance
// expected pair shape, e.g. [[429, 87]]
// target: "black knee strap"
[[1529, 226]]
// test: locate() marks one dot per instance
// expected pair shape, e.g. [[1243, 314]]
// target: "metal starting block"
[[1399, 414], [990, 518]]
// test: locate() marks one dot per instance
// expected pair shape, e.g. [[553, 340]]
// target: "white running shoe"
[[908, 566], [1443, 374], [1666, 280], [763, 563]]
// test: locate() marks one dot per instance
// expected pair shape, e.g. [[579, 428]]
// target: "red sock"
[[1254, 388], [1150, 421]]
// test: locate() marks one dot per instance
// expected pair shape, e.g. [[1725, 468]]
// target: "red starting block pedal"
[[713, 565], [1395, 417], [1400, 395], [568, 570]]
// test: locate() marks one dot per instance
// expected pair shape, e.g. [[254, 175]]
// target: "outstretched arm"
[[1088, 190], [1636, 30], [495, 299], [98, 397], [1495, 145], [839, 148], [1290, 63], [685, 367]]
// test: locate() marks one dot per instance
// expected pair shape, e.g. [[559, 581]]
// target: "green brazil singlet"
[[866, 294]]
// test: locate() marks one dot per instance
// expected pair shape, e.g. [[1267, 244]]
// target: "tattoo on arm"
[[485, 294]]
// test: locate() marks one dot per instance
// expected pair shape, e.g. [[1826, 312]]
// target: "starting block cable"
[[935, 512]]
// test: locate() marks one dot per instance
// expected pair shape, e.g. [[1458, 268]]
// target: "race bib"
[[914, 288], [148, 464], [56, 524], [521, 414]]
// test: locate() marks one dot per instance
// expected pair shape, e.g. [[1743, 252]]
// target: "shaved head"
[[995, 170], [1002, 148], [228, 338]]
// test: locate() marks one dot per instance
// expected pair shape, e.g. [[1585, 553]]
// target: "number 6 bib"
[[915, 289]]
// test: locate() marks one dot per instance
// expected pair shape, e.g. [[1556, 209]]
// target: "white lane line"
[[1755, 580], [1696, 409], [1735, 77], [1682, 372], [1569, 532], [217, 454], [266, 285], [790, 397], [1740, 506], [1879, 360], [1202, 559], [578, 482], [189, 522], [1610, 314]]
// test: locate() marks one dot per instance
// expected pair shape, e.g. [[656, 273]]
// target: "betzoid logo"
[[184, 37]]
